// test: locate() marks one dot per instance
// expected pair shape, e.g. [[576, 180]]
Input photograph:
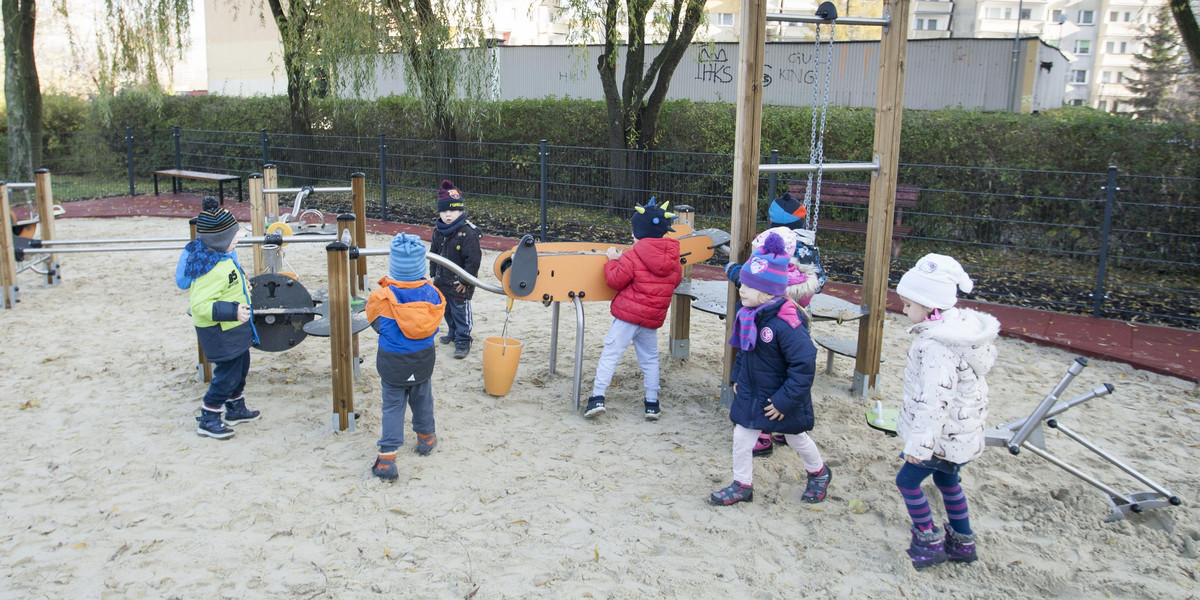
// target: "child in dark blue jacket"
[[772, 375], [405, 310]]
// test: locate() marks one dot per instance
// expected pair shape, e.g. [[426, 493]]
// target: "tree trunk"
[[22, 90], [1189, 32]]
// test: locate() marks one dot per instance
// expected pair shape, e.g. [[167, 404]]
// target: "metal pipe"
[[1080, 474], [827, 167], [297, 190], [105, 249], [443, 261], [1061, 407], [1117, 463], [554, 310], [48, 243], [21, 186], [578, 348], [33, 264], [870, 21], [1039, 413], [250, 240]]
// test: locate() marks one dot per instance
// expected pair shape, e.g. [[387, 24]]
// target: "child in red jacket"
[[645, 277]]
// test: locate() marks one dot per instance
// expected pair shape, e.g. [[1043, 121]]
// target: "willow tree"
[[135, 41], [1189, 32], [634, 91]]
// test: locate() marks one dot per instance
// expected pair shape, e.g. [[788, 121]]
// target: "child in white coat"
[[945, 404]]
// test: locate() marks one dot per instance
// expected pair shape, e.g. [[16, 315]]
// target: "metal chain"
[[812, 140], [816, 212]]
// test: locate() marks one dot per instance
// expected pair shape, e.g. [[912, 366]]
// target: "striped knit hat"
[[449, 197], [406, 258], [215, 226], [767, 269]]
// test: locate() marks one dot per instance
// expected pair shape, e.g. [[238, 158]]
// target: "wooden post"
[[889, 110], [203, 368], [45, 207], [746, 156], [8, 262], [346, 223], [258, 218], [681, 307], [271, 201], [358, 185], [340, 358]]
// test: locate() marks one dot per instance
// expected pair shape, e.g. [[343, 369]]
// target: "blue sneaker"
[[653, 412], [595, 407]]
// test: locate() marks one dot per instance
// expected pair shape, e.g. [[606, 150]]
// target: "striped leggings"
[[909, 479]]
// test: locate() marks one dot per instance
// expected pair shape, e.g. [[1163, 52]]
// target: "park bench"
[[219, 178], [842, 193]]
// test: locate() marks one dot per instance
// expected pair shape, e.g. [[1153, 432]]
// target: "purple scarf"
[[745, 334]]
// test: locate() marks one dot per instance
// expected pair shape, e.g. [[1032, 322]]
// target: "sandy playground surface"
[[107, 492]]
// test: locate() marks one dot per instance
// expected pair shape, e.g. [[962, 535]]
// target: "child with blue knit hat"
[[405, 311], [772, 374], [220, 305], [786, 211], [457, 240], [645, 277]]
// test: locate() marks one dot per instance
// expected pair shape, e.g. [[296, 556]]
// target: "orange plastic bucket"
[[500, 358]]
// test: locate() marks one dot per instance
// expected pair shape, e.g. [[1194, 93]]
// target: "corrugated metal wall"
[[966, 73]]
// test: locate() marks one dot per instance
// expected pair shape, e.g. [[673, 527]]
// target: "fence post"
[[542, 154], [773, 178], [178, 156], [129, 156], [383, 177], [262, 133], [1110, 199]]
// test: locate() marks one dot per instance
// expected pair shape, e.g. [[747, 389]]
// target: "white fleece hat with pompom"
[[934, 282]]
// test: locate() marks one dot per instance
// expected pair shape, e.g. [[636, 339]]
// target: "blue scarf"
[[196, 260], [745, 333], [448, 229]]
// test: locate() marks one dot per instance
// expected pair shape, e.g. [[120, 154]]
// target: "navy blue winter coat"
[[780, 367]]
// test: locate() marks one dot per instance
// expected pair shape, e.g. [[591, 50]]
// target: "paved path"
[[1162, 350]]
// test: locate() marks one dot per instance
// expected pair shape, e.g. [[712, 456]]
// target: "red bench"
[[842, 193]]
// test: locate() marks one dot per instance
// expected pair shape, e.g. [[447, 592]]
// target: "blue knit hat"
[[406, 262], [767, 269], [651, 221], [215, 226], [787, 211]]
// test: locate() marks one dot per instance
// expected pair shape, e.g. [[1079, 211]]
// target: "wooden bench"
[[177, 186], [842, 193]]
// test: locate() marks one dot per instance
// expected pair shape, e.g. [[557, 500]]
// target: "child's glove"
[[731, 270]]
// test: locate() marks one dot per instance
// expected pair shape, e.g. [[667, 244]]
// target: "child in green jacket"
[[220, 306]]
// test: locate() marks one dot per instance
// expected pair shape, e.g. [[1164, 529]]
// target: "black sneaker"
[[212, 426], [236, 412], [652, 411], [446, 339], [461, 350], [595, 406]]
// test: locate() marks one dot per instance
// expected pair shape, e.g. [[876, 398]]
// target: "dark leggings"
[[909, 479]]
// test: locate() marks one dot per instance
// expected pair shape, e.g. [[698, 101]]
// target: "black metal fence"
[[1107, 244]]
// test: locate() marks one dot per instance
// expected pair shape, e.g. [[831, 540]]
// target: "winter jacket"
[[781, 367], [214, 295], [645, 277], [406, 314], [945, 392], [458, 243]]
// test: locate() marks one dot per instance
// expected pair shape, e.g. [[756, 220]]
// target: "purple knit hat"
[[767, 269]]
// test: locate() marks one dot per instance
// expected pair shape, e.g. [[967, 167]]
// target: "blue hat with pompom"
[[767, 269]]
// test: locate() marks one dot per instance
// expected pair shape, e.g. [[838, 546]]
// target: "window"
[[1086, 17], [1102, 105], [1076, 102], [1120, 77], [1057, 16], [725, 19], [931, 24], [1116, 47], [993, 12], [1114, 16], [1083, 46], [1106, 77], [1026, 13], [1128, 16], [1077, 76], [920, 24]]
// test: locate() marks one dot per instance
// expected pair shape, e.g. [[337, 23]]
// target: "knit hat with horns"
[[651, 221]]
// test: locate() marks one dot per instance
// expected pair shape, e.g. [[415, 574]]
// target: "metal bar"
[[105, 249], [1117, 463], [1080, 474], [1039, 413], [543, 157], [178, 156], [56, 243], [382, 178], [1110, 199], [827, 167], [129, 157], [298, 190], [578, 349], [445, 262], [1062, 407], [774, 178], [21, 186], [33, 264], [554, 310], [870, 21], [288, 239], [262, 133]]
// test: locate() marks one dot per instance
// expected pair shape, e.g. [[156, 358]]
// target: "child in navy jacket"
[[405, 310], [772, 375]]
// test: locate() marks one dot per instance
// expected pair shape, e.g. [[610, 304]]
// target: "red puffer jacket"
[[645, 277]]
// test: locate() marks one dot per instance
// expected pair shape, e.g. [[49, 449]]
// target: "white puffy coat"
[[945, 391]]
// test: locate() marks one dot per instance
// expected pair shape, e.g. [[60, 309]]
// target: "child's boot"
[[211, 424], [732, 494], [236, 411], [818, 486], [595, 406], [960, 547], [461, 349], [653, 411], [426, 442], [385, 466], [927, 548]]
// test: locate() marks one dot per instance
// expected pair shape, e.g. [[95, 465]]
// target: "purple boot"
[[927, 548], [960, 547]]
